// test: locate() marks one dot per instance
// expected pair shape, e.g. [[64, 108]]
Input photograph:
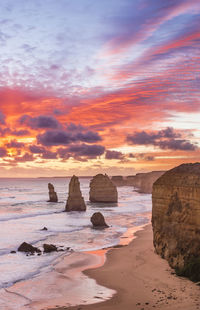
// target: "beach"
[[57, 279], [142, 280]]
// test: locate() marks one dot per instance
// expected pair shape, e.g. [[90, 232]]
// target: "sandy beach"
[[142, 280]]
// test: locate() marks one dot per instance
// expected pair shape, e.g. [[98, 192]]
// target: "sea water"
[[25, 210]]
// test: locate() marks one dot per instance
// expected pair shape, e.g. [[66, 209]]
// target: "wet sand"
[[141, 279]]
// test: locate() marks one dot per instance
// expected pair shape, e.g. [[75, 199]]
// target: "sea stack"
[[52, 194], [75, 201], [176, 215], [102, 189], [98, 221]]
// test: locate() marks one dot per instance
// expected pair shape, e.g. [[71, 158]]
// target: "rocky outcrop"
[[52, 194], [102, 189], [75, 201], [98, 221], [48, 248], [176, 215], [118, 180], [144, 181], [28, 248]]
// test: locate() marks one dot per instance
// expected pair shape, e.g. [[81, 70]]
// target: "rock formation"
[[48, 248], [98, 221], [102, 189], [28, 248], [118, 180], [176, 215], [75, 201], [142, 181], [52, 194]]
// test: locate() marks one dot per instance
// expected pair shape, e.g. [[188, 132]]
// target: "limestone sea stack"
[[98, 221], [176, 215], [75, 201], [102, 189], [52, 194]]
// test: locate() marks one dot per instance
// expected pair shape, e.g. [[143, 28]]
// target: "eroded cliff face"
[[142, 181], [102, 189], [176, 214], [118, 180]]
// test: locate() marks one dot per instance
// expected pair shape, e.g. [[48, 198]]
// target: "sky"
[[87, 87]]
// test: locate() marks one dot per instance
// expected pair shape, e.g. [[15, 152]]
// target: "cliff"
[[176, 215], [118, 180], [142, 181], [102, 189]]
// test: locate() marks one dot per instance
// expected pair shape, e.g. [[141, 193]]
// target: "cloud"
[[114, 155], [15, 144], [39, 122], [65, 137], [4, 131], [26, 157], [149, 158], [3, 152], [63, 153], [50, 138], [143, 19], [2, 118], [35, 149], [45, 153], [164, 139], [90, 151], [148, 138], [89, 137], [49, 155], [179, 144], [20, 133], [80, 151]]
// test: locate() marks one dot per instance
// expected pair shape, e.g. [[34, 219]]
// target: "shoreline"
[[65, 283], [142, 280]]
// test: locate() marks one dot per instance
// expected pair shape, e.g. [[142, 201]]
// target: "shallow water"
[[24, 211]]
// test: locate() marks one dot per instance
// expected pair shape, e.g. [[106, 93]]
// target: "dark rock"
[[98, 220], [52, 194], [28, 248], [44, 228], [12, 252], [49, 248]]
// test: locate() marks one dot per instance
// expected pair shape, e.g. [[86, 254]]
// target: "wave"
[[22, 216], [48, 263]]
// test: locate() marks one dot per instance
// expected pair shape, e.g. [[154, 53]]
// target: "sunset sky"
[[90, 86]]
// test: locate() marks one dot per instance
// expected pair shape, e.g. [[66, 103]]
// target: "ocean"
[[24, 211]]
